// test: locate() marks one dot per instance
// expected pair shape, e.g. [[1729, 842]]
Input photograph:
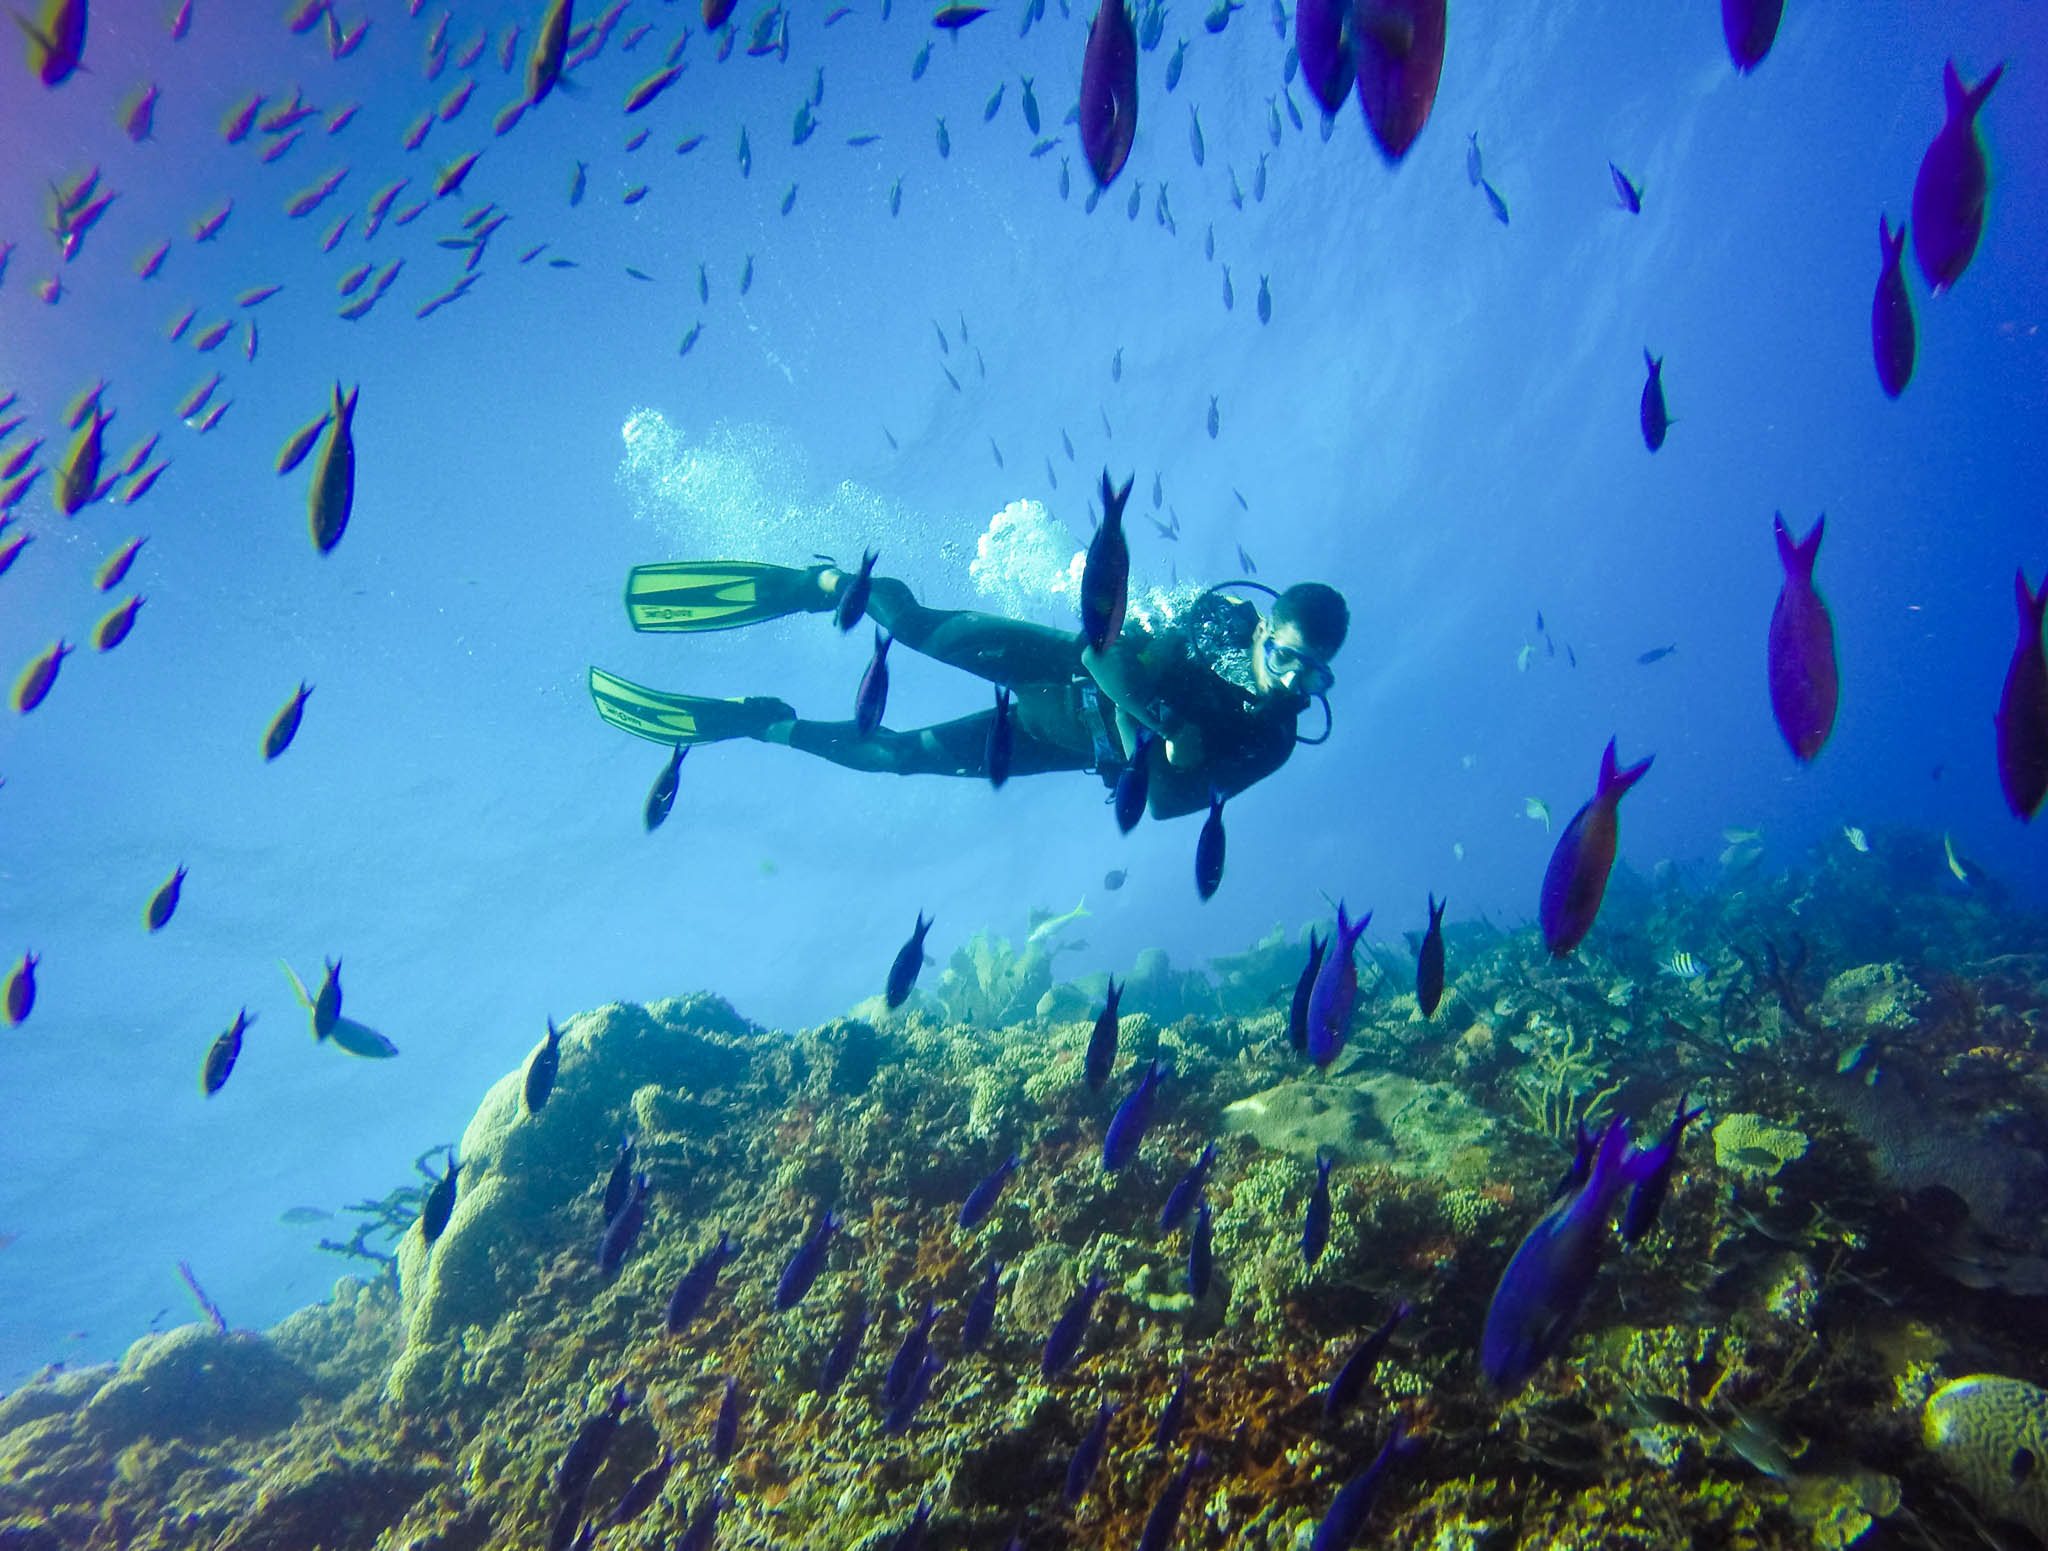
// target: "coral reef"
[[1869, 1222]]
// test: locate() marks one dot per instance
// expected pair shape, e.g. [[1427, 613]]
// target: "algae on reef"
[[1861, 1222]]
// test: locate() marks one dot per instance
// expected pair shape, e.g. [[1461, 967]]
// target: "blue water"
[[1440, 419]]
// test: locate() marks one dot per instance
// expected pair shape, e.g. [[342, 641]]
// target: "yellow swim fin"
[[687, 595], [664, 717]]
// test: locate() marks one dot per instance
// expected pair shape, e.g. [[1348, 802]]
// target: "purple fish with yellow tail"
[[1399, 48], [1335, 994], [2022, 719], [1891, 314], [1805, 687], [1109, 92], [1576, 878], [1953, 184]]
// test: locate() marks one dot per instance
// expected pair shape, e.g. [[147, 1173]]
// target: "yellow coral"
[[1750, 1144], [1992, 1434]]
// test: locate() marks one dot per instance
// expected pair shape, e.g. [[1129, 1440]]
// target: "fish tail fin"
[[1615, 782], [2033, 605], [1654, 363], [1797, 555], [1964, 101], [1893, 243]]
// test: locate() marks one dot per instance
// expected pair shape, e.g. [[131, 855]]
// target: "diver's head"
[[1293, 645]]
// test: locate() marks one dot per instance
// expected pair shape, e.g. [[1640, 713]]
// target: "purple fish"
[[805, 1264], [1068, 1330], [1655, 418], [1109, 92], [1804, 684], [1750, 26], [1181, 1199], [1163, 1521], [1429, 963], [1358, 1367], [1088, 1454], [1949, 193], [981, 1311], [725, 1432], [56, 47], [623, 1231], [1304, 987], [1209, 848], [981, 1200], [872, 699], [1891, 314], [1576, 878], [140, 118], [845, 1348], [908, 961], [1400, 54], [852, 600], [695, 1288], [910, 1354], [1127, 1125], [1351, 1506], [1315, 1225], [898, 1420], [1546, 1281], [1322, 41], [2023, 708], [1101, 1057], [1647, 1198], [1134, 783], [1002, 741], [1200, 1252], [1106, 574], [1335, 993]]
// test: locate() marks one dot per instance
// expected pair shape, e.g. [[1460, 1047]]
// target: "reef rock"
[[1991, 1434], [1411, 1127], [197, 1382], [1872, 996]]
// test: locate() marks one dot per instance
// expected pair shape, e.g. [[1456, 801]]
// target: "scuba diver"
[[1209, 697]]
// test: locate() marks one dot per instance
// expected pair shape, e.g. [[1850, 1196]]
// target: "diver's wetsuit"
[[1061, 720], [1050, 715]]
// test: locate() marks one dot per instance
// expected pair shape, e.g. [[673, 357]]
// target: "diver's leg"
[[955, 748], [1003, 651]]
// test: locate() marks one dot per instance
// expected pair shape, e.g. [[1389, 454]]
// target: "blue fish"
[[1002, 741], [587, 1449], [623, 1231], [851, 602], [1088, 1454], [912, 1536], [1429, 963], [695, 1287], [1582, 1165], [872, 698], [1576, 879], [1181, 1199], [1209, 848], [1315, 1224], [1335, 994], [1106, 574], [1358, 1367], [898, 1420], [1297, 1013], [981, 1199], [1101, 1056], [1648, 1196], [725, 1432], [909, 960], [845, 1348], [1134, 783], [1127, 1125], [910, 1354], [806, 1263], [704, 1523], [981, 1312], [1171, 1415], [641, 1494], [1164, 1519], [1070, 1327], [621, 1181], [1547, 1279], [1200, 1256], [1353, 1502]]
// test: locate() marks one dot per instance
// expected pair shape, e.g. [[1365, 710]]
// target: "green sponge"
[[1992, 1435]]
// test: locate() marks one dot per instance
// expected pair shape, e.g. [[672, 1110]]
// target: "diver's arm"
[[1122, 674]]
